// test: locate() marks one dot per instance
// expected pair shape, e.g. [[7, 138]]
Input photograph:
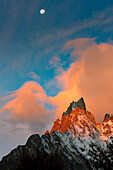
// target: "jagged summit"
[[77, 120], [107, 127], [108, 117], [80, 103], [82, 123]]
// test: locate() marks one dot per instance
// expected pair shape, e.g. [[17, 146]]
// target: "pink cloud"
[[56, 63], [90, 76], [32, 75], [27, 106]]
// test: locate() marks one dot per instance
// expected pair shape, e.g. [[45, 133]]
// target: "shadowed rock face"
[[80, 103], [108, 117], [60, 151], [74, 143], [41, 153]]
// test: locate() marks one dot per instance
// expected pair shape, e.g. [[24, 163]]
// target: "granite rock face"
[[76, 142]]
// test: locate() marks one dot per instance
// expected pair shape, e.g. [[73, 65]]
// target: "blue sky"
[[32, 50], [29, 40]]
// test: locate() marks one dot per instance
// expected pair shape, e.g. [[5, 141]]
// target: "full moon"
[[42, 11]]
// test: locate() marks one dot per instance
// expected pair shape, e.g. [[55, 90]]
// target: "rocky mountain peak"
[[108, 117], [82, 123], [77, 120], [107, 126], [80, 103]]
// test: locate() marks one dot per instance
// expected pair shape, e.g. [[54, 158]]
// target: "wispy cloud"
[[99, 21], [56, 63], [33, 75]]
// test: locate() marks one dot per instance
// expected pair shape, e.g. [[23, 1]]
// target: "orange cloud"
[[90, 76], [26, 106]]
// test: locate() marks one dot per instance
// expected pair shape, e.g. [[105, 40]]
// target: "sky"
[[50, 60]]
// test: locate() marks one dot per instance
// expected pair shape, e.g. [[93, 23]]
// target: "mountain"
[[76, 142]]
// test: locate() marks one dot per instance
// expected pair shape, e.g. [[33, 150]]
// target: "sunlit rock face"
[[76, 142], [78, 123], [56, 126], [107, 127], [82, 123], [98, 126]]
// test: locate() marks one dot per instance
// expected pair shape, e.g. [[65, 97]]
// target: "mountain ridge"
[[74, 111], [75, 142]]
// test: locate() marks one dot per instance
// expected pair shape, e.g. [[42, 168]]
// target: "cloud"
[[27, 107], [90, 76], [101, 21], [23, 114], [33, 75], [57, 63]]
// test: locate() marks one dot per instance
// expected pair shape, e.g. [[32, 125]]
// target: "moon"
[[42, 11]]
